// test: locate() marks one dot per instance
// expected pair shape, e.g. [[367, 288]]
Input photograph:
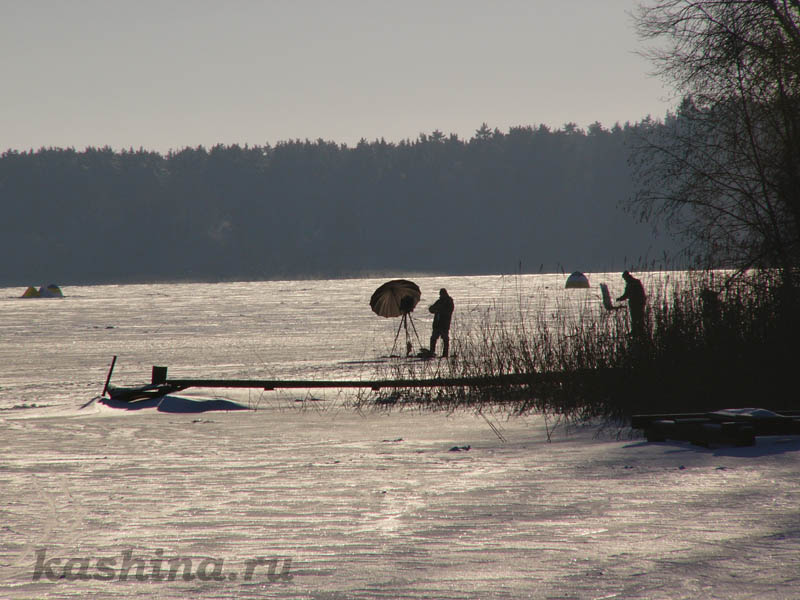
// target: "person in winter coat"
[[442, 311], [634, 294]]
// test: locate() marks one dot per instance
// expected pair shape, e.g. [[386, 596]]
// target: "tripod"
[[404, 325]]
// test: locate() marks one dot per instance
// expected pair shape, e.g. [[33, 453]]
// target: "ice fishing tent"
[[577, 280], [30, 293], [51, 291]]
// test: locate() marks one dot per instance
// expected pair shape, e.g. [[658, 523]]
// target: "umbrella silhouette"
[[397, 298]]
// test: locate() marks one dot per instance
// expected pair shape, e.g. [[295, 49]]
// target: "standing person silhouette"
[[634, 294], [442, 311]]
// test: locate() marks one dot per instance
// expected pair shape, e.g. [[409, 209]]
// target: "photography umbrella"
[[397, 298]]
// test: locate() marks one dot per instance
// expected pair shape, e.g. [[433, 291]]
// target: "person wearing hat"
[[442, 311], [634, 294]]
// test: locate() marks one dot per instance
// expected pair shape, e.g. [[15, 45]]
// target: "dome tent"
[[577, 280], [51, 291]]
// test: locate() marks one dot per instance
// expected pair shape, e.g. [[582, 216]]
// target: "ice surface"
[[57, 351], [376, 505], [349, 505]]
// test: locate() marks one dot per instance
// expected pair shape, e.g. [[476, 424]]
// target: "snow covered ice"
[[348, 504]]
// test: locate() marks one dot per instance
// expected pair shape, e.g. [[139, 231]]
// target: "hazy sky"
[[168, 74]]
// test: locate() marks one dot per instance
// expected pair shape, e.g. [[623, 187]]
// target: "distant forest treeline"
[[536, 197]]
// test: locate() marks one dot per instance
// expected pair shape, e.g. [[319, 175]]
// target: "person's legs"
[[445, 344], [434, 337], [637, 320]]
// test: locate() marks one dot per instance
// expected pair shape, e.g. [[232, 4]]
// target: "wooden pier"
[[160, 384], [737, 427]]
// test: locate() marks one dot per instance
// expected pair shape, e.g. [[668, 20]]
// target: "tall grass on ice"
[[712, 342]]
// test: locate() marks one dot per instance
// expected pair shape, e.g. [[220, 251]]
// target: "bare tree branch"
[[725, 168]]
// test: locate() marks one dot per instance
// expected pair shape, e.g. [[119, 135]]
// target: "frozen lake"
[[57, 351], [313, 500]]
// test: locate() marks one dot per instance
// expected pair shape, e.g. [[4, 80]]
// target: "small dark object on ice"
[[459, 448]]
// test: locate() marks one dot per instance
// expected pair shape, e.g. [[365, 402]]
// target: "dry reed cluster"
[[714, 340]]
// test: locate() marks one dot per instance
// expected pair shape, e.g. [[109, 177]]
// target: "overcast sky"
[[168, 74]]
